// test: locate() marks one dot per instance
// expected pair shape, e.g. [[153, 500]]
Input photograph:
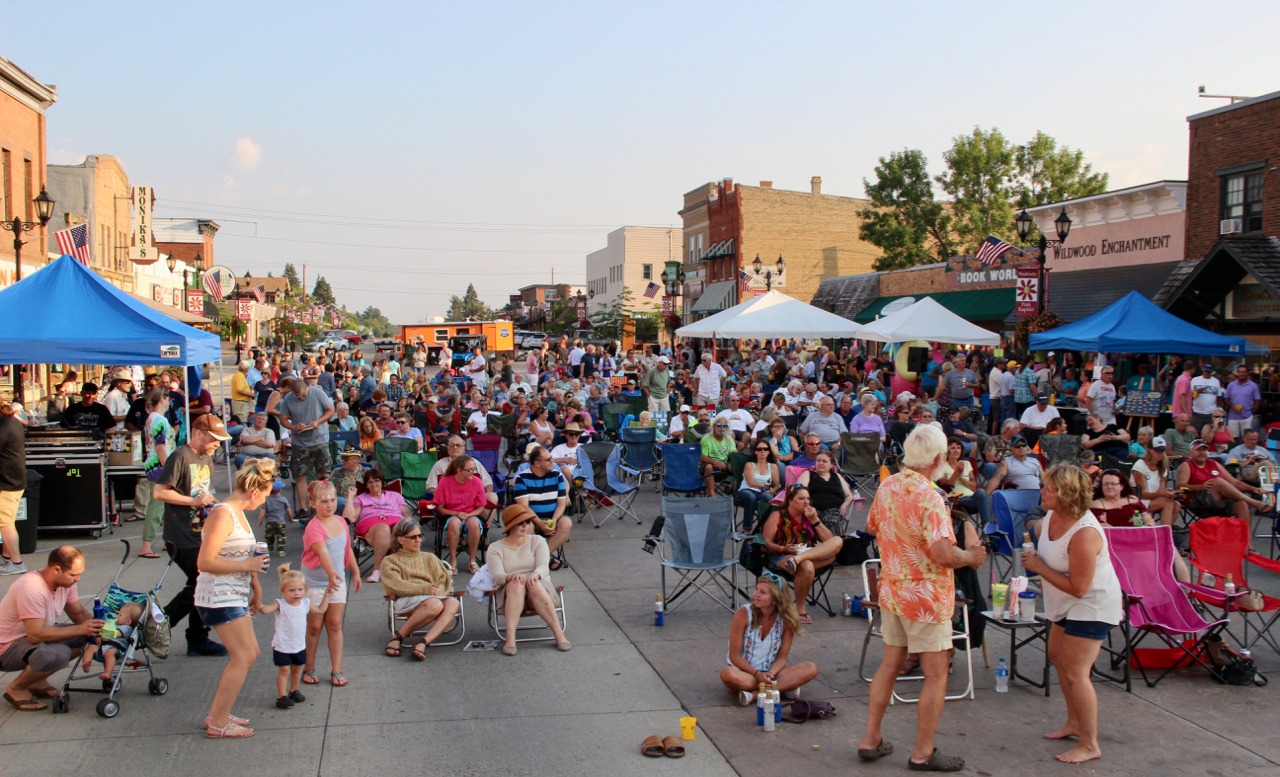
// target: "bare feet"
[[1067, 731], [1079, 754]]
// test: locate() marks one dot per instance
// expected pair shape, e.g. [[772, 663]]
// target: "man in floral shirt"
[[912, 524]]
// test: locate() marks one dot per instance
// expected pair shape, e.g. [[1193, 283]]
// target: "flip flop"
[[419, 652], [804, 618], [46, 693], [25, 705], [652, 746], [309, 677], [672, 748], [337, 679], [148, 555], [877, 752], [938, 763]]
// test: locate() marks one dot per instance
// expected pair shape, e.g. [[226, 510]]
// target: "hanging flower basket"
[[1033, 325]]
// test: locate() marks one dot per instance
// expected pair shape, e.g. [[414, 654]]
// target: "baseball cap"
[[1198, 444], [1018, 440], [685, 408], [1158, 444], [664, 360], [1208, 365], [351, 451], [278, 486], [213, 425], [1042, 397]]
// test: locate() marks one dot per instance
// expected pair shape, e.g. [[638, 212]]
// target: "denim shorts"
[[1085, 629], [216, 616]]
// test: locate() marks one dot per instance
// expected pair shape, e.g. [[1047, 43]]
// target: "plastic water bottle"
[[846, 604], [99, 611], [659, 614], [1002, 677], [1229, 587]]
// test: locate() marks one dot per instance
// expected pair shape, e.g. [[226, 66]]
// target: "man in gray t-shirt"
[[962, 382], [305, 412]]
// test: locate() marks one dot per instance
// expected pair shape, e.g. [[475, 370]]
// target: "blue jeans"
[[980, 501], [752, 503]]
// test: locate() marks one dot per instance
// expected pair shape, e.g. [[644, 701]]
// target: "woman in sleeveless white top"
[[1082, 599], [760, 643], [227, 589]]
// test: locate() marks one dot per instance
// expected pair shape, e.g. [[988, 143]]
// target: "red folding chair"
[[1220, 547]]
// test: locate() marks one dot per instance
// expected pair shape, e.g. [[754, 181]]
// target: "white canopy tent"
[[772, 314], [926, 320]]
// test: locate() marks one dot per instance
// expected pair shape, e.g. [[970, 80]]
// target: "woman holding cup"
[[227, 589], [1082, 598]]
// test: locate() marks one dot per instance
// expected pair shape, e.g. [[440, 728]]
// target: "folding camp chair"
[[960, 635], [498, 618], [488, 458], [623, 493], [860, 461], [1010, 508], [696, 542], [343, 440], [457, 629], [693, 434], [640, 452], [595, 503], [1220, 548], [387, 453], [1156, 604], [682, 472], [1061, 448], [415, 468], [598, 451], [612, 414]]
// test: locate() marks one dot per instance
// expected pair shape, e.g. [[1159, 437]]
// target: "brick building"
[[1230, 281], [23, 102], [96, 193], [727, 226]]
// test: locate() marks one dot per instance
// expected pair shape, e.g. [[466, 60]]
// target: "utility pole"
[[304, 282]]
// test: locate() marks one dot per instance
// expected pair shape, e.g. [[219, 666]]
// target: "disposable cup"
[[688, 728]]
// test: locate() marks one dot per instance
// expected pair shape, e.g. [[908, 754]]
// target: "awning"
[[1076, 295], [718, 296], [177, 314], [980, 305]]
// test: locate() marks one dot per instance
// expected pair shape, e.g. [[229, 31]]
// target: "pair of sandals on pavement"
[[937, 761], [656, 747], [33, 704], [395, 646], [336, 678]]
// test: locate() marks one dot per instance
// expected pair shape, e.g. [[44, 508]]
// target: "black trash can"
[[27, 528]]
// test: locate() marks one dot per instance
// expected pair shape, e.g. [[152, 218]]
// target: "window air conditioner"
[[1230, 226]]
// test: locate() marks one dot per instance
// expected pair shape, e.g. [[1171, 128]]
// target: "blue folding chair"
[[640, 451], [594, 502], [682, 471], [1010, 508], [624, 493], [696, 545], [489, 460]]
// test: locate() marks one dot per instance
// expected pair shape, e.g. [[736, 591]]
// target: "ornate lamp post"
[[1062, 224], [172, 263], [781, 264], [44, 212]]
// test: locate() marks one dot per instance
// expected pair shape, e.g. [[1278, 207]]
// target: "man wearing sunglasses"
[[406, 429], [716, 448], [1019, 469]]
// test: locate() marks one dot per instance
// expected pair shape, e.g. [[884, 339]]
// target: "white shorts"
[[407, 604], [316, 593]]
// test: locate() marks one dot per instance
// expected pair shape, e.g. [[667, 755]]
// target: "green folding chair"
[[415, 467], [387, 453]]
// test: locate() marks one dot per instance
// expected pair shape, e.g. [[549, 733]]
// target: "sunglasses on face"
[[417, 536]]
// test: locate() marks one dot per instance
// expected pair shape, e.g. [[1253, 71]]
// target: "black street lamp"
[[781, 264], [172, 263], [1062, 224], [44, 212]]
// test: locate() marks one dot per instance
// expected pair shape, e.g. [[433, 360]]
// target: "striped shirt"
[[541, 493]]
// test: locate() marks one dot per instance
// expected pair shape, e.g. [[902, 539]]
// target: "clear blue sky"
[[489, 142]]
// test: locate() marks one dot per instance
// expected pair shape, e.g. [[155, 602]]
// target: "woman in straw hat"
[[519, 565]]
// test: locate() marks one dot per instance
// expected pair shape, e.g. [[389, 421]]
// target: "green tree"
[[372, 319], [1049, 173], [607, 322], [322, 293], [468, 307], [562, 317], [905, 221], [979, 176], [291, 275]]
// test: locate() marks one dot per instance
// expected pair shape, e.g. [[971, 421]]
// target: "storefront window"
[[1242, 199]]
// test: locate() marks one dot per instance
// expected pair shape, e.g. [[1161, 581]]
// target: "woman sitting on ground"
[[374, 513], [460, 502], [798, 543], [760, 638], [419, 586], [519, 565], [369, 434], [760, 482], [828, 491]]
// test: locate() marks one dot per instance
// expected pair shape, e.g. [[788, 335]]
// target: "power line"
[[408, 248]]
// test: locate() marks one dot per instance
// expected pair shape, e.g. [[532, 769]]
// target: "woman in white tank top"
[[1082, 599]]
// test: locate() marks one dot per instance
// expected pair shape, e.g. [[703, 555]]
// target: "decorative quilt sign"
[[1026, 291]]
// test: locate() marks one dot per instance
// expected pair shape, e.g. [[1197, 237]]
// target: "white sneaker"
[[791, 695], [11, 568], [374, 576], [745, 698]]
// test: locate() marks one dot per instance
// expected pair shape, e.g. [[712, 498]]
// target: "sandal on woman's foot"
[[208, 722], [672, 747], [938, 763], [877, 752], [910, 665], [804, 618], [508, 650], [419, 651], [337, 679], [555, 564], [474, 567], [309, 677], [652, 746], [232, 730], [394, 652]]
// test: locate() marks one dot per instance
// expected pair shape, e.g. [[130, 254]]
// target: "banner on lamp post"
[[195, 301], [244, 309], [668, 304], [1027, 291]]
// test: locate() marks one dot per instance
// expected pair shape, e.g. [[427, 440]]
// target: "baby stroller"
[[149, 638]]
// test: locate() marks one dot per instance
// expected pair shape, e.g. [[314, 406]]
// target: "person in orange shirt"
[[918, 551]]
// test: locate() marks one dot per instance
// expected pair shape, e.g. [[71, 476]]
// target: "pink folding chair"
[[1156, 604]]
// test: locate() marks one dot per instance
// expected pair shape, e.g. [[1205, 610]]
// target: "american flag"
[[75, 241], [744, 283], [213, 284], [992, 249], [260, 293], [652, 290]]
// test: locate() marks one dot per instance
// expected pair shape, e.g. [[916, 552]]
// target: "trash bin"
[[29, 519]]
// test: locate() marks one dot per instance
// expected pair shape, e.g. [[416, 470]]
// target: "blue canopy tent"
[[1135, 324]]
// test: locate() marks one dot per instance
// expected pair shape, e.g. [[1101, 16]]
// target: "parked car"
[[533, 340], [347, 334], [336, 343]]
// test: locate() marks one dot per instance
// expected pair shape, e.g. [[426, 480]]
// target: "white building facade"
[[633, 258]]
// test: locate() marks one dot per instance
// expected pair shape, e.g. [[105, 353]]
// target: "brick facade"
[[1223, 139], [23, 102]]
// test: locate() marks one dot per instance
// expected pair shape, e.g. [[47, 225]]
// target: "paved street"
[[585, 712]]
